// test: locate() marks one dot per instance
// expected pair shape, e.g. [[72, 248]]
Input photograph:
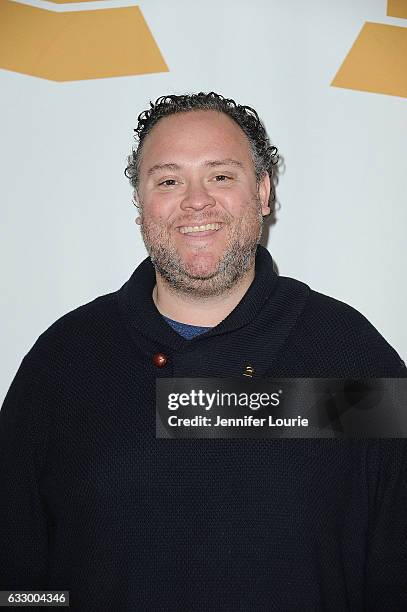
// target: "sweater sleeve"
[[386, 570], [23, 525]]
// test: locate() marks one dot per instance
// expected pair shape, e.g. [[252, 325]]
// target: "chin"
[[202, 266]]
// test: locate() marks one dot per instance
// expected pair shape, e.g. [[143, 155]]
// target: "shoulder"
[[340, 341], [338, 319], [79, 332], [87, 316]]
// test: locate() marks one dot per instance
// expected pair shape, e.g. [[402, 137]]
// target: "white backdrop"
[[68, 232]]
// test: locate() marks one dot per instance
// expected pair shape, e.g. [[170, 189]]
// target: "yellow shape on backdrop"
[[397, 8], [68, 1], [377, 61], [77, 45]]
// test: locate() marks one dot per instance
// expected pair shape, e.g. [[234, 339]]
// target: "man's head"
[[202, 160]]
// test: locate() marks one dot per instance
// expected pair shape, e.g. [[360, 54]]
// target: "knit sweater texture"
[[93, 503]]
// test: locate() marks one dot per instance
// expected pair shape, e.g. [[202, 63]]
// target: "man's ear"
[[264, 194], [135, 199]]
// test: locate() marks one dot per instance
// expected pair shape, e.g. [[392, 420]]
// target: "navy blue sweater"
[[93, 503]]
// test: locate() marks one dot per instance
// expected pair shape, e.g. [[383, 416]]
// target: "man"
[[94, 503]]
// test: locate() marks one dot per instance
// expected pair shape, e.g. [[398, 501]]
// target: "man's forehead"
[[195, 120], [208, 134]]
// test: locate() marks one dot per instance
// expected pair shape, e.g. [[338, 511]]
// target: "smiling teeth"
[[199, 228]]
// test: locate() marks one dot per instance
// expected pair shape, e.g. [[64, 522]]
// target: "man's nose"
[[197, 198]]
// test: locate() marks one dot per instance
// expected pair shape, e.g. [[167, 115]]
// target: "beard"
[[201, 274]]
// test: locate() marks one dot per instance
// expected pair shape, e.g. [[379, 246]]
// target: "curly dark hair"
[[265, 155]]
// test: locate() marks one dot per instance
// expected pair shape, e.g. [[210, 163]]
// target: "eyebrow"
[[223, 162], [212, 163], [158, 167]]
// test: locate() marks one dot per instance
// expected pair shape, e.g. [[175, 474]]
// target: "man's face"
[[201, 207]]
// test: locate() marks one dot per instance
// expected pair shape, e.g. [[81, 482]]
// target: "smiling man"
[[201, 213], [202, 202], [94, 503]]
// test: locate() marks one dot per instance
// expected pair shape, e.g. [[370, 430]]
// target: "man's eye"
[[168, 182], [220, 178]]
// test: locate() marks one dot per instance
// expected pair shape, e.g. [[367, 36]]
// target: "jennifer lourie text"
[[246, 421]]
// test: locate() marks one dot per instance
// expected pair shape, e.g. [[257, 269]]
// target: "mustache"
[[200, 219]]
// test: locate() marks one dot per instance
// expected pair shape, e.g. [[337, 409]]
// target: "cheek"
[[152, 214], [158, 210], [241, 204]]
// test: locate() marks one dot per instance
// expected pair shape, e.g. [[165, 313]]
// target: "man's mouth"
[[199, 228]]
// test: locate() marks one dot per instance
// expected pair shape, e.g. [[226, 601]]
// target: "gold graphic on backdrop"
[[397, 8], [77, 45], [377, 61]]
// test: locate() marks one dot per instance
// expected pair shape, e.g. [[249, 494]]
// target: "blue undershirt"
[[185, 330]]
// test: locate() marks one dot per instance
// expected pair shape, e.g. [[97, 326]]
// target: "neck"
[[197, 310]]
